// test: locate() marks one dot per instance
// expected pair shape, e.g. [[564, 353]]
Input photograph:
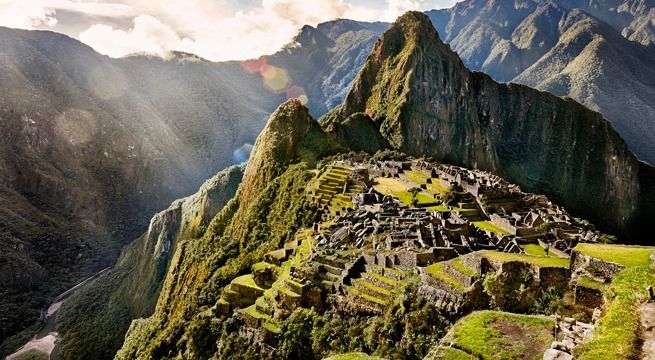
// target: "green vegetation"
[[402, 191], [616, 333], [500, 335], [353, 290], [237, 238], [437, 271], [534, 249], [541, 261], [450, 353], [620, 254], [33, 355], [246, 280], [590, 283], [487, 225], [457, 264], [353, 356]]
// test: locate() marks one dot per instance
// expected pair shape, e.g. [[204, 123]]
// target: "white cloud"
[[26, 14], [396, 8], [214, 29], [148, 35]]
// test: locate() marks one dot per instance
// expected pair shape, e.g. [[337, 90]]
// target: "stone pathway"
[[647, 333]]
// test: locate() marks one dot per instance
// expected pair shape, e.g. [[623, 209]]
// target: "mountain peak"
[[425, 102], [277, 146]]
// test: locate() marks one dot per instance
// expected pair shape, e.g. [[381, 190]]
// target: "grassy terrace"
[[541, 261], [534, 249], [384, 279], [356, 292], [620, 254], [500, 335], [247, 281], [421, 179], [437, 271], [373, 287], [590, 283], [617, 331], [457, 264], [451, 354], [487, 225], [400, 190]]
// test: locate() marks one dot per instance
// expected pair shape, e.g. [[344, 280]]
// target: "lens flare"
[[255, 65], [275, 78]]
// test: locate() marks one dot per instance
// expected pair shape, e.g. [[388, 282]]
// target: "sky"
[[217, 30]]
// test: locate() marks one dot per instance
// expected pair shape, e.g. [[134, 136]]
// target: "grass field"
[[541, 261], [400, 190], [487, 225], [620, 254], [499, 335]]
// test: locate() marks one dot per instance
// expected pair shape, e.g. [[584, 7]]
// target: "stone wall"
[[597, 268]]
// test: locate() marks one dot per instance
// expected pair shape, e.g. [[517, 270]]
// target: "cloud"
[[214, 29], [26, 14], [148, 35]]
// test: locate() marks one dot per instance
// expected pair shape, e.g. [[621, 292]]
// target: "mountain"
[[600, 53], [270, 206], [94, 320], [279, 271], [425, 102], [93, 146]]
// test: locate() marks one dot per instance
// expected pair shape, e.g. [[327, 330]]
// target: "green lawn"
[[620, 254], [400, 190], [416, 176], [616, 332], [487, 225], [535, 249], [541, 261], [500, 335]]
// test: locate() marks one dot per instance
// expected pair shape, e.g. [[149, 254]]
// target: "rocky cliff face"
[[426, 103], [588, 50], [131, 288]]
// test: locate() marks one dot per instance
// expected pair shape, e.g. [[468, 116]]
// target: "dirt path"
[[44, 345], [47, 343], [647, 333]]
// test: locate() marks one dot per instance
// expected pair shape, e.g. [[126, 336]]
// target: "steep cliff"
[[596, 52], [93, 322], [426, 103]]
